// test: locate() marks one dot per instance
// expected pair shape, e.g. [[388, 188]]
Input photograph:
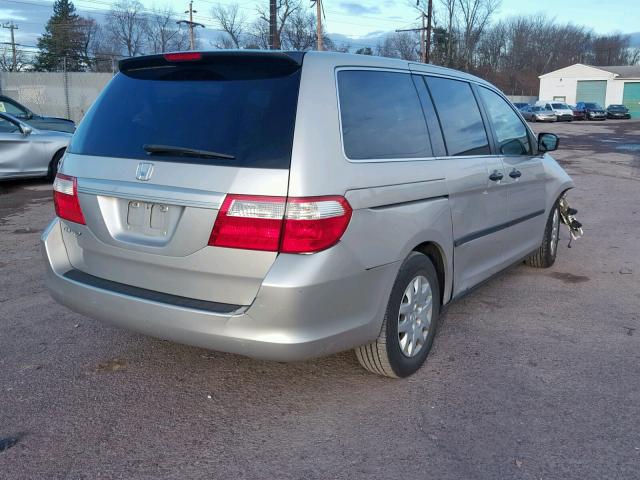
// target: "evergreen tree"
[[62, 41]]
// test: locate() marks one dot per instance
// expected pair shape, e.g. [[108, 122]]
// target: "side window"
[[8, 127], [11, 108], [460, 119], [381, 116], [511, 133]]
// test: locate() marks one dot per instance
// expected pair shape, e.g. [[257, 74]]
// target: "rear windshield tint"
[[247, 113]]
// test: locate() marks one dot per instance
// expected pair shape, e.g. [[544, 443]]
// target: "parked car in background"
[[561, 109], [29, 152], [12, 107], [618, 111], [577, 114], [320, 209], [592, 111], [520, 105], [538, 114]]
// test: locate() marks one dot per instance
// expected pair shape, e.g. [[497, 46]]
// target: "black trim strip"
[[408, 202], [494, 229], [151, 295]]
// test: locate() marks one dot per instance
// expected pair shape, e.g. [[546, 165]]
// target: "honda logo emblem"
[[144, 171]]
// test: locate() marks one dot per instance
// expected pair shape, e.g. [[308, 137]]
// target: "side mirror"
[[548, 142], [26, 129]]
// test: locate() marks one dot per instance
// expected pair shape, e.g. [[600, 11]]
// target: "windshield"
[[247, 116], [560, 106], [617, 107], [593, 106]]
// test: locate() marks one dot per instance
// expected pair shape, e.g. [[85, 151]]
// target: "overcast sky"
[[358, 20]]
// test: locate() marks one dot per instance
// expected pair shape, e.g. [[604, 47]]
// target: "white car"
[[562, 110]]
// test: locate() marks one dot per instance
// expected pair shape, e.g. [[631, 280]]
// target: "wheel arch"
[[56, 156], [436, 254]]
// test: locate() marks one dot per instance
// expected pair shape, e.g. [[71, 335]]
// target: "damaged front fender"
[[568, 218]]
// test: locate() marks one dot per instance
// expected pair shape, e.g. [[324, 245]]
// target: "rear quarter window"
[[381, 116]]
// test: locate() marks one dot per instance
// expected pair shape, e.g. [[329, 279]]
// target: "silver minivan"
[[285, 206]]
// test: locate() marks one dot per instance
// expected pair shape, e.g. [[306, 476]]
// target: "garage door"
[[592, 91], [631, 98]]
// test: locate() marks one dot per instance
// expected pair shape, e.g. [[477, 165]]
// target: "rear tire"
[[53, 165], [545, 256], [409, 324]]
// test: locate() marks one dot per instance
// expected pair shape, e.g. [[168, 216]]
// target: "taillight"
[[249, 222], [288, 225], [65, 198], [314, 224]]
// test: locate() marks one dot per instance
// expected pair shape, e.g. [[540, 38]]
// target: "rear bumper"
[[307, 306]]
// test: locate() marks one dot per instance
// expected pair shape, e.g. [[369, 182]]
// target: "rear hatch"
[[156, 155]]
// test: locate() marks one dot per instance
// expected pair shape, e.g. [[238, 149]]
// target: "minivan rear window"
[[381, 116], [248, 116]]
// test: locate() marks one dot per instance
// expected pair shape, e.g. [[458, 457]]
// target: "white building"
[[586, 83]]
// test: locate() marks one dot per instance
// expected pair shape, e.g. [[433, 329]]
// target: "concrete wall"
[[50, 93], [564, 82], [522, 99]]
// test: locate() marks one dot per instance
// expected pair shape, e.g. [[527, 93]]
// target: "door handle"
[[496, 176], [515, 173]]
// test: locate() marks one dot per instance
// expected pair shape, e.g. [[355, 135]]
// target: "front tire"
[[545, 256], [409, 324]]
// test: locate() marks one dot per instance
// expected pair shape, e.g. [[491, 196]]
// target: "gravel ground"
[[533, 376]]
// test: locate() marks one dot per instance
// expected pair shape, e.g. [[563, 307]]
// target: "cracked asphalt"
[[535, 375]]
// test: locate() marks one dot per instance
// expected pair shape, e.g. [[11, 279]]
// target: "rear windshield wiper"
[[153, 149]]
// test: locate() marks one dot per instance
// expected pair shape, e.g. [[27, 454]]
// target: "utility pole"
[[274, 41], [425, 32], [423, 53], [12, 26], [427, 48], [319, 44], [190, 24]]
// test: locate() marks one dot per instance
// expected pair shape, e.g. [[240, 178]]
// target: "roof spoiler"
[[290, 59]]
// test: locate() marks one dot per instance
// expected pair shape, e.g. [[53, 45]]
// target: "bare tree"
[[89, 31], [474, 17], [633, 56], [300, 31], [162, 32], [23, 61], [450, 26], [286, 8], [259, 38], [610, 49], [404, 45], [232, 23], [127, 24]]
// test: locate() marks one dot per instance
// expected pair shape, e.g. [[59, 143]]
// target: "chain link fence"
[[56, 94]]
